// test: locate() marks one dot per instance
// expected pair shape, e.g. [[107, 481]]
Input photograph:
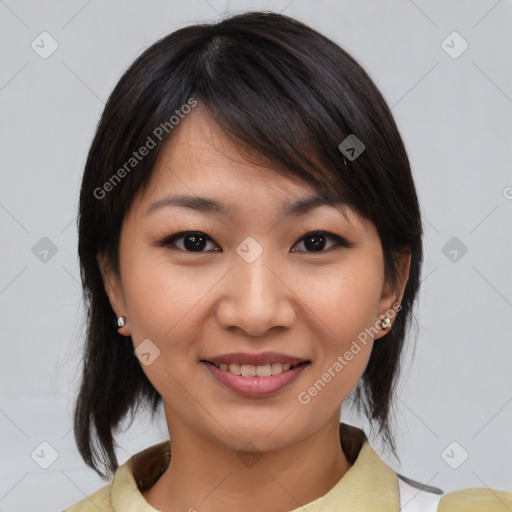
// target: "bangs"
[[284, 108]]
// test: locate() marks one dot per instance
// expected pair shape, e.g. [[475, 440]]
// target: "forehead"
[[200, 149]]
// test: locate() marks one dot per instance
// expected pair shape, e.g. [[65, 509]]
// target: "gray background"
[[455, 117]]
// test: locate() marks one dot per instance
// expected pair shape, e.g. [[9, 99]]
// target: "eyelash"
[[338, 241]]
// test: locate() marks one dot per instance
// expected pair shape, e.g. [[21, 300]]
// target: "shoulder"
[[416, 497], [99, 500], [480, 499], [124, 492]]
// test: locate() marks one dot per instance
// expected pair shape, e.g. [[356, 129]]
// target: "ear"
[[392, 294], [113, 289]]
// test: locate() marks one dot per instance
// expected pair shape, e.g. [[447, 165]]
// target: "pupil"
[[197, 242], [313, 242]]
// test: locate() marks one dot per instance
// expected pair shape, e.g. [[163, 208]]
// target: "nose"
[[256, 298]]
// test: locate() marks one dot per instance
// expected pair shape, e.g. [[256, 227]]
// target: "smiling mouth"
[[249, 370]]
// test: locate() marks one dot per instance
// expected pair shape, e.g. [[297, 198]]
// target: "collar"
[[370, 484]]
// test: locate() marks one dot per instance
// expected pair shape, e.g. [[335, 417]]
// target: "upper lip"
[[254, 359]]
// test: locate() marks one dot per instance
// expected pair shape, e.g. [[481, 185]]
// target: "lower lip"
[[256, 386]]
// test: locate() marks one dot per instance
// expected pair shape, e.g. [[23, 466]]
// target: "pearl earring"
[[121, 321]]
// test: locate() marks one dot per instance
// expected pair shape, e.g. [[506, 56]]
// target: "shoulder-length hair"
[[289, 96]]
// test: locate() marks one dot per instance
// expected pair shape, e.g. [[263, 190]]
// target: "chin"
[[267, 430]]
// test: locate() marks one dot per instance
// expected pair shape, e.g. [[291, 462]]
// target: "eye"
[[193, 241], [316, 241]]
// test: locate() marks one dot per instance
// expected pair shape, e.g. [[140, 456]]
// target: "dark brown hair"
[[284, 92]]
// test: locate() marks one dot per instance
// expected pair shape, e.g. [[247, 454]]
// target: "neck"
[[209, 477]]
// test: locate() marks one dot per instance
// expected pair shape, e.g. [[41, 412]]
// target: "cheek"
[[347, 299], [347, 303], [162, 305], [161, 297]]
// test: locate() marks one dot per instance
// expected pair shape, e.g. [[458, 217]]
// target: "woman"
[[249, 224]]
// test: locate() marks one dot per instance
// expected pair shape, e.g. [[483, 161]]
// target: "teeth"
[[234, 368], [264, 370], [249, 370]]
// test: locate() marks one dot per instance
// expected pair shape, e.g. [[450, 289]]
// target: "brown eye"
[[316, 241], [192, 241]]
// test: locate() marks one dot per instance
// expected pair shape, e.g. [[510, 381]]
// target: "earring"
[[121, 321], [385, 323]]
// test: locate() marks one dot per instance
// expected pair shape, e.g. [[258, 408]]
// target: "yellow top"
[[369, 485]]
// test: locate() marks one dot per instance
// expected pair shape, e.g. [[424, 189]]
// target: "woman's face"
[[250, 285]]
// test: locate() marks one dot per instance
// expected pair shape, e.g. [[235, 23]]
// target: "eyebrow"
[[295, 207]]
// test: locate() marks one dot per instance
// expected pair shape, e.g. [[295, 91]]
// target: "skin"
[[291, 299]]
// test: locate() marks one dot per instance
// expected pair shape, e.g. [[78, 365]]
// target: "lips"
[[255, 381]]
